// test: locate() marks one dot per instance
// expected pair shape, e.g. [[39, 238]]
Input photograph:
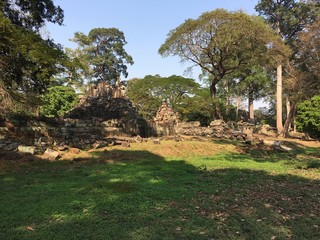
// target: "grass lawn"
[[174, 190]]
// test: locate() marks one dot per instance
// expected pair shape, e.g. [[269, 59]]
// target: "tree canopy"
[[27, 61], [103, 51], [31, 14], [223, 42], [148, 93]]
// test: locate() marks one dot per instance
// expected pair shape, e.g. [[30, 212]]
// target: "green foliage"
[[223, 195], [139, 92], [308, 116], [31, 14], [182, 94], [28, 62], [222, 42], [57, 101], [103, 50], [309, 61], [288, 17]]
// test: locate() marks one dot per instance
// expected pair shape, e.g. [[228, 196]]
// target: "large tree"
[[221, 43], [148, 93], [303, 75], [254, 84], [31, 14], [287, 18], [27, 61], [309, 60], [103, 51]]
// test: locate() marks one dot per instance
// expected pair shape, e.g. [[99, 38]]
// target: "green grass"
[[251, 194]]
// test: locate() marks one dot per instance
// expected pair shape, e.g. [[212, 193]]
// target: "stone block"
[[26, 149], [51, 154]]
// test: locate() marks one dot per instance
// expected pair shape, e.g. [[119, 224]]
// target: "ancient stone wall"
[[96, 119]]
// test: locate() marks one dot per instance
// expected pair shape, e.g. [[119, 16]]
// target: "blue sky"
[[145, 24]]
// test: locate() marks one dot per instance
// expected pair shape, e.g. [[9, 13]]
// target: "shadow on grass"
[[140, 195], [301, 156]]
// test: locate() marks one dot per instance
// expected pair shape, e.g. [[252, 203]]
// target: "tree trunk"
[[213, 92], [237, 107], [288, 107], [227, 97], [295, 121], [279, 99], [289, 119], [250, 105]]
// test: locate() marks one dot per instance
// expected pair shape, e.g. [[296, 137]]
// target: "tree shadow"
[[293, 153], [140, 195]]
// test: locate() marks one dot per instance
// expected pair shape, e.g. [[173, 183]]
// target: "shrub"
[[308, 116], [57, 101]]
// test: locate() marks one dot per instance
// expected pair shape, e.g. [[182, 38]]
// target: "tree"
[[103, 51], [221, 43], [31, 14], [27, 61], [309, 60], [139, 92], [57, 101], [308, 116], [148, 93], [287, 18], [302, 73], [254, 84]]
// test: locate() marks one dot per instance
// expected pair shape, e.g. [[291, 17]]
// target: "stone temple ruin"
[[166, 120], [106, 114], [168, 123], [103, 114]]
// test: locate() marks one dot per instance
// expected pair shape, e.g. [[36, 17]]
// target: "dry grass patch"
[[185, 149]]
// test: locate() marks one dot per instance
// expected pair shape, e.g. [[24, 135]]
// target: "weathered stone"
[[100, 144], [189, 124], [26, 149], [166, 120], [10, 146], [63, 147], [138, 139], [274, 144], [268, 130], [125, 144], [74, 150], [217, 122], [51, 154]]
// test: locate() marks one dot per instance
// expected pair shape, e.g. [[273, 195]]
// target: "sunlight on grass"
[[212, 191]]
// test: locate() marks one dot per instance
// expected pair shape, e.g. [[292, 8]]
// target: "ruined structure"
[[166, 120], [104, 89], [103, 114]]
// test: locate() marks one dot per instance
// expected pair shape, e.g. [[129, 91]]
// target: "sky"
[[145, 24]]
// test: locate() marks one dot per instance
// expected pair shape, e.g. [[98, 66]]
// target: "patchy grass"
[[184, 190]]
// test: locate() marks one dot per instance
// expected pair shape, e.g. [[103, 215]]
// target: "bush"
[[57, 101], [308, 116]]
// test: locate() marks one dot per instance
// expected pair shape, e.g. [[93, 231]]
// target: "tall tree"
[[103, 50], [309, 61], [303, 73], [221, 43], [27, 61], [31, 14], [254, 84], [287, 18]]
